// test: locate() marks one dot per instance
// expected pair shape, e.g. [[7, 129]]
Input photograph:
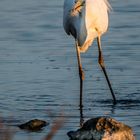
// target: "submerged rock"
[[102, 128], [33, 125]]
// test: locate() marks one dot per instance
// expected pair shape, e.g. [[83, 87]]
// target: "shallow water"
[[38, 67]]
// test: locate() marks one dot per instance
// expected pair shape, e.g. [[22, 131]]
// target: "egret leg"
[[81, 116], [81, 73], [101, 62]]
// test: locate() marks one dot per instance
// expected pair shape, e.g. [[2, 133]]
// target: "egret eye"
[[76, 1]]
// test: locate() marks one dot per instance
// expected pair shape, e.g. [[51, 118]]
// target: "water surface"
[[38, 67]]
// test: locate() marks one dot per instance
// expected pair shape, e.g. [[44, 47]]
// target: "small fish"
[[33, 125]]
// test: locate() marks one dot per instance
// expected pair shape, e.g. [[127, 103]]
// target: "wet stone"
[[102, 128], [33, 125]]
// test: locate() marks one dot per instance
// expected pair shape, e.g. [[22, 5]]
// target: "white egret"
[[87, 20]]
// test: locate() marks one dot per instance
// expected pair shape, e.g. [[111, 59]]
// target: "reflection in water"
[[112, 109]]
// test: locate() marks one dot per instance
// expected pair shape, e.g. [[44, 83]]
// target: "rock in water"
[[33, 125], [102, 128]]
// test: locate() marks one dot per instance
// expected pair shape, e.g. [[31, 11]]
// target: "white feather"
[[90, 22]]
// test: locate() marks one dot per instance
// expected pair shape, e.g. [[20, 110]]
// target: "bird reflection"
[[111, 105]]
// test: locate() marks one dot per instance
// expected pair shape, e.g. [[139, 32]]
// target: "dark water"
[[38, 67]]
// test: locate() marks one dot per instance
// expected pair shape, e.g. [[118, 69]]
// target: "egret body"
[[87, 20]]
